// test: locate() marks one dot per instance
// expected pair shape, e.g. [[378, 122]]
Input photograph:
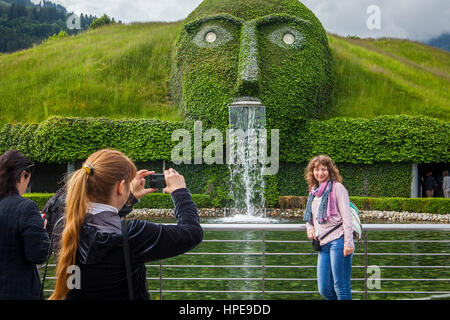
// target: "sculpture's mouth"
[[246, 102]]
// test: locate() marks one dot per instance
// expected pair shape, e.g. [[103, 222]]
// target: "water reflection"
[[422, 272]]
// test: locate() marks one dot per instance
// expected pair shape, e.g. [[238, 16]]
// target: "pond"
[[425, 273], [302, 266]]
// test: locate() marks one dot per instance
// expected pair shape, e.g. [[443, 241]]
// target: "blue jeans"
[[334, 271]]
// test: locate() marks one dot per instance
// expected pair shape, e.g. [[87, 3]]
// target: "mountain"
[[43, 4], [442, 42], [24, 24], [122, 71]]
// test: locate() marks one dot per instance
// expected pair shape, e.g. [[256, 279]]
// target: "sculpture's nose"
[[248, 72]]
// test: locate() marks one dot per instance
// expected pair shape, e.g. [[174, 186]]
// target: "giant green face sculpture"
[[273, 50]]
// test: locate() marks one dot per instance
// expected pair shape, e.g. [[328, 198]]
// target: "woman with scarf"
[[329, 221]]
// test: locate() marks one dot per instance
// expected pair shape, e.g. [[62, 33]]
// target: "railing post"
[[263, 261], [160, 279], [366, 264]]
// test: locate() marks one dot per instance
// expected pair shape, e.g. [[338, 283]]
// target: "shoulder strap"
[[126, 254], [49, 253], [335, 228]]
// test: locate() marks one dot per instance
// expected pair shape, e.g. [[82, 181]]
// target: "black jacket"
[[23, 244], [100, 250], [54, 210]]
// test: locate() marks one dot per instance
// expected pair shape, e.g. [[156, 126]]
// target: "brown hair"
[[106, 168], [324, 160], [12, 164]]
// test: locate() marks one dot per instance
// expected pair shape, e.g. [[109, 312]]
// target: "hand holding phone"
[[138, 184], [157, 180], [174, 180]]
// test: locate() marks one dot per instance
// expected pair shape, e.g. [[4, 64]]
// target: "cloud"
[[413, 19]]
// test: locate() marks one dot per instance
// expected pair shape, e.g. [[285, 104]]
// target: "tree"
[[104, 20], [16, 11]]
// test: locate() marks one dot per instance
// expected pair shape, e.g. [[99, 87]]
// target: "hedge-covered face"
[[276, 51]]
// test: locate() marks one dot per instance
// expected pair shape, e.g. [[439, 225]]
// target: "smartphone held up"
[[157, 180]]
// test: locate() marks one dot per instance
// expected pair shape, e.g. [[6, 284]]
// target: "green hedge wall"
[[162, 201], [210, 184], [376, 180], [40, 198], [373, 156], [417, 205], [150, 201], [424, 205], [59, 140], [398, 138], [359, 141]]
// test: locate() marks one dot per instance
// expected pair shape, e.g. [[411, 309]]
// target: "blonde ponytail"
[[76, 208], [93, 182]]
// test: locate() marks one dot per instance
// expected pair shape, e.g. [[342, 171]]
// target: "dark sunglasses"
[[28, 169]]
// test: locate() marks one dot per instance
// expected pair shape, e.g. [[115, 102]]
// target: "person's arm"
[[150, 241], [35, 238], [54, 210], [310, 231], [343, 204]]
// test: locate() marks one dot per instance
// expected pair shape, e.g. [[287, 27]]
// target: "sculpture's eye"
[[212, 36], [287, 37]]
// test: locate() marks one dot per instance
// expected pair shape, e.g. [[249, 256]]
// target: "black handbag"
[[316, 243]]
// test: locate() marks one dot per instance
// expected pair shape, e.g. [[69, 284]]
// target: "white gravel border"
[[298, 213]]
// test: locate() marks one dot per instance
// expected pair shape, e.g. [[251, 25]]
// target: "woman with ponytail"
[[329, 222], [92, 236]]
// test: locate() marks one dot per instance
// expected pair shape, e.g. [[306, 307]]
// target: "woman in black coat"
[[23, 239], [92, 258]]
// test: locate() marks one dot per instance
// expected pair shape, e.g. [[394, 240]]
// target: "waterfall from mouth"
[[247, 118]]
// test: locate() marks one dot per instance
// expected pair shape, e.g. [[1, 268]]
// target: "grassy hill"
[[389, 76], [122, 71], [115, 71]]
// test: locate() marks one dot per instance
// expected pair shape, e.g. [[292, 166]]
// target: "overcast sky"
[[413, 19]]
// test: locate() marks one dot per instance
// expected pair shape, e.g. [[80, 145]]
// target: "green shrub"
[[419, 205], [414, 205], [104, 20], [396, 204], [164, 201], [150, 201], [437, 206], [292, 202], [57, 36], [40, 198]]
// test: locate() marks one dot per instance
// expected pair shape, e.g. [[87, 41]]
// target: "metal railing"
[[302, 228], [263, 267]]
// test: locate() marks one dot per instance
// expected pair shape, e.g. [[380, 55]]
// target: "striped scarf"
[[327, 207]]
